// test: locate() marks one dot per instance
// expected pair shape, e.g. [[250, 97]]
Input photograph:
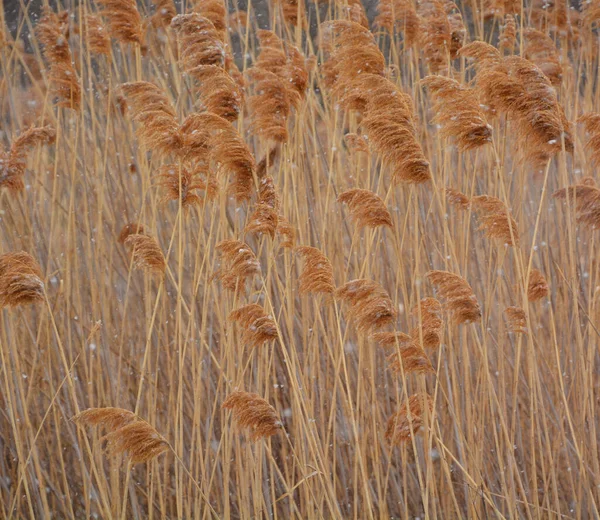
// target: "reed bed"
[[288, 259]]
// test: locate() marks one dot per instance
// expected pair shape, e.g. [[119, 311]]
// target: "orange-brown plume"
[[537, 288], [367, 209], [400, 14], [217, 91], [585, 199], [407, 421], [435, 34], [410, 359], [457, 198], [287, 231], [429, 332], [458, 296], [496, 220], [267, 161], [354, 11], [370, 304], [351, 50], [458, 31], [516, 320], [20, 280], [96, 35], [238, 264], [199, 41], [253, 412], [591, 123], [357, 143], [157, 126], [147, 254], [540, 49], [125, 433], [508, 34], [185, 189], [124, 20], [265, 217], [132, 228], [164, 12], [208, 137], [390, 340], [13, 163], [215, 11], [259, 327], [458, 112], [317, 273], [52, 32], [290, 10]]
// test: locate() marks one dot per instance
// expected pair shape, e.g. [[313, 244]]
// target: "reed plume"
[[208, 137], [585, 199], [458, 296], [539, 48], [458, 112], [370, 304], [538, 287], [265, 218], [124, 20], [262, 168], [132, 228], [357, 143], [13, 163], [351, 51], [496, 220], [458, 31], [217, 91], [391, 340], [409, 419], [429, 332], [410, 359], [253, 412], [259, 327], [508, 34], [96, 35], [199, 41], [164, 12], [125, 433], [435, 37], [238, 264], [215, 11], [185, 188], [367, 209], [52, 32], [317, 274], [286, 231], [591, 123], [157, 126], [354, 11], [20, 280], [399, 14], [147, 254], [516, 320], [457, 198]]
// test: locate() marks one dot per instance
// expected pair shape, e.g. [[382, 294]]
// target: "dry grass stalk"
[[409, 419], [253, 412], [124, 20], [370, 305], [125, 433], [20, 280], [516, 320], [496, 220], [238, 264], [367, 209], [147, 254], [259, 327], [317, 273], [538, 287], [13, 163], [458, 112], [458, 296], [429, 332]]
